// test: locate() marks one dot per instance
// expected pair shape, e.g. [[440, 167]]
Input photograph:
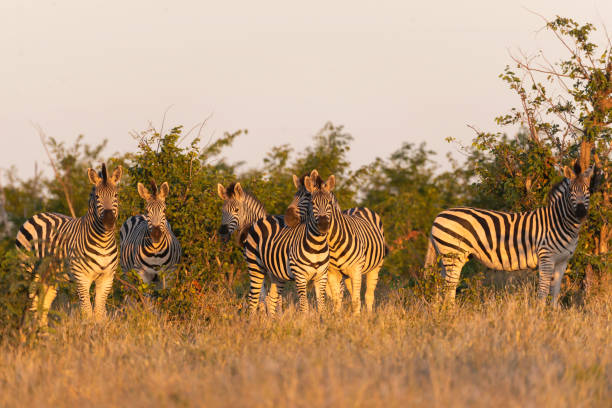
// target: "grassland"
[[503, 351]]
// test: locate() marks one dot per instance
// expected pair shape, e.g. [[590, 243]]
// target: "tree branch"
[[59, 178]]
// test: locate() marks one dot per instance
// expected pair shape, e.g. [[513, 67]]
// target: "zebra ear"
[[238, 192], [330, 183], [93, 176], [143, 192], [296, 182], [568, 173], [164, 190], [221, 191], [588, 172], [308, 184], [116, 177]]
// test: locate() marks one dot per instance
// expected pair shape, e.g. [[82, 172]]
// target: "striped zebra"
[[356, 246], [545, 238], [86, 245], [285, 254], [240, 210], [148, 244]]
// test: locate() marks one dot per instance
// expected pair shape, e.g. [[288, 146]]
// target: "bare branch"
[[132, 287], [560, 38], [201, 126], [58, 177], [161, 131]]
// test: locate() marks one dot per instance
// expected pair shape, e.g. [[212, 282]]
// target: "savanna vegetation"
[[190, 343]]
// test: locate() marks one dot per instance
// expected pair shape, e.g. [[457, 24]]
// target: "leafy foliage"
[[564, 114]]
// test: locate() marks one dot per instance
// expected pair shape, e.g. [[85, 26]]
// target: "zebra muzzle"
[[224, 233], [156, 234], [581, 211], [323, 224], [108, 219]]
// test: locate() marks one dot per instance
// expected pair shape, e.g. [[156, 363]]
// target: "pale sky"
[[390, 71]]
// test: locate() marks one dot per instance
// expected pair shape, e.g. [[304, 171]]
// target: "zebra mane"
[[302, 179], [153, 188], [557, 190], [103, 173], [318, 182], [230, 191]]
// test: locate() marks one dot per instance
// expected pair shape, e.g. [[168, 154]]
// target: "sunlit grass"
[[502, 351]]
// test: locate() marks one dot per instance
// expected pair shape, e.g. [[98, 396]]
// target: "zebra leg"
[[556, 282], [272, 301], [103, 286], [328, 291], [263, 298], [356, 292], [83, 285], [348, 284], [48, 293], [256, 281], [333, 288], [451, 268], [545, 270], [320, 285], [301, 284], [371, 282]]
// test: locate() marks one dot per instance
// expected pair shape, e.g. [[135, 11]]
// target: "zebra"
[[545, 238], [148, 244], [300, 253], [86, 245], [240, 210], [356, 246]]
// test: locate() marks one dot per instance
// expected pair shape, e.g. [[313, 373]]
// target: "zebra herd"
[[315, 240], [86, 247]]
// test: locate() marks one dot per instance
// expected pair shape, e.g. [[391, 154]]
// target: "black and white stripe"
[[240, 210], [285, 254], [356, 246], [87, 245], [545, 238], [148, 244]]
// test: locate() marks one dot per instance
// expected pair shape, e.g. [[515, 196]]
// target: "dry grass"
[[499, 352]]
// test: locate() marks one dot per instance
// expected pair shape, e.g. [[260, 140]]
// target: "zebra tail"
[[387, 250], [430, 256]]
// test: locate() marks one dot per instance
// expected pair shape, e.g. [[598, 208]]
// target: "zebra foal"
[[148, 244], [545, 238], [86, 245]]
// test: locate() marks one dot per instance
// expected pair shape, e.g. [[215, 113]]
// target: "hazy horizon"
[[390, 73]]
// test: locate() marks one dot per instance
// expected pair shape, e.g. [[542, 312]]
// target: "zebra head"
[[156, 209], [579, 189], [103, 201], [314, 194], [233, 213]]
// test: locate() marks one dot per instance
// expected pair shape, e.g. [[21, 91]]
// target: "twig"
[[161, 130], [201, 126], [60, 179], [130, 286]]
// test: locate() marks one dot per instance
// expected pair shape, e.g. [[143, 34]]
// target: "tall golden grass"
[[504, 351]]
